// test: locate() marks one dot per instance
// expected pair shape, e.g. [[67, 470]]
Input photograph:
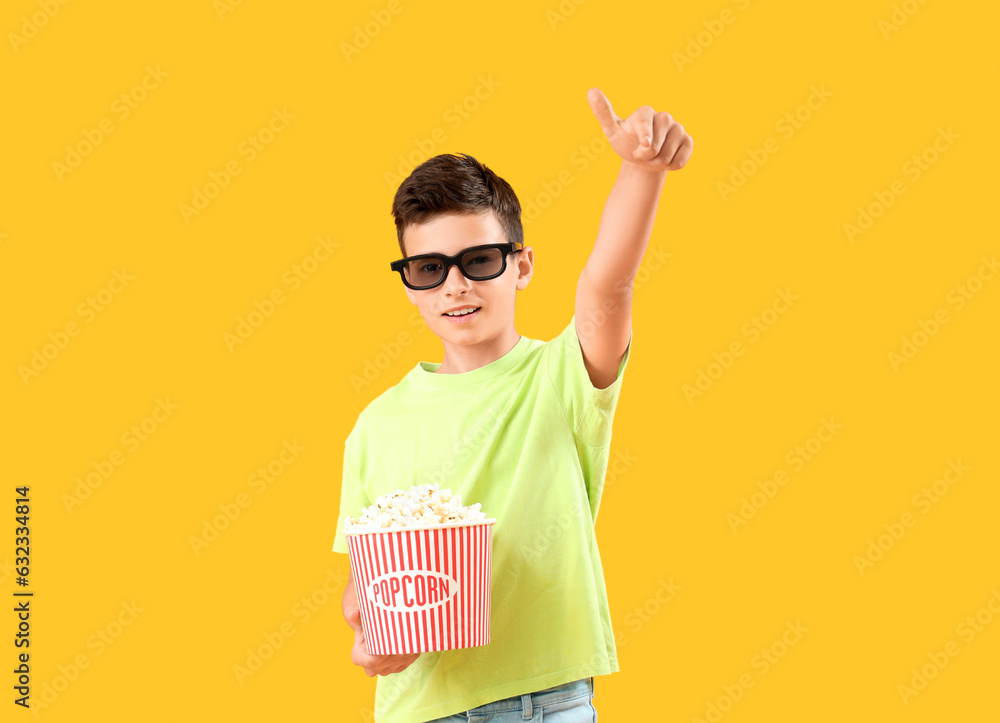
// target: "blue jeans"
[[568, 703]]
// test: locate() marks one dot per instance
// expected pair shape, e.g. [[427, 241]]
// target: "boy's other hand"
[[650, 140], [374, 664]]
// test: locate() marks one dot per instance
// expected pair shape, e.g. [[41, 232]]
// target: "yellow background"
[[689, 463]]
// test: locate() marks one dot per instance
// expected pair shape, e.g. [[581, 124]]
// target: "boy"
[[521, 426]]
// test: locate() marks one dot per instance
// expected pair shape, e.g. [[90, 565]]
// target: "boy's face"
[[449, 234]]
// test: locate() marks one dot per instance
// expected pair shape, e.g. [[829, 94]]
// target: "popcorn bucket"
[[422, 589]]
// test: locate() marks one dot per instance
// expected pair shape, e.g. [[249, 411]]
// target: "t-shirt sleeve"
[[589, 410], [352, 494]]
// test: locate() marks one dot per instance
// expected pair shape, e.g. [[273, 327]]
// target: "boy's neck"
[[461, 358]]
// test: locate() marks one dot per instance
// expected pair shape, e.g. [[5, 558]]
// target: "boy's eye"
[[429, 268], [478, 260]]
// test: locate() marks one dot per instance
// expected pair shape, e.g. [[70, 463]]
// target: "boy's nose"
[[455, 280]]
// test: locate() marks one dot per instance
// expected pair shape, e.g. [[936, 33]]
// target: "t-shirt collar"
[[425, 372]]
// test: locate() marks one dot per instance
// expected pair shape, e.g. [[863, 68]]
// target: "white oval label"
[[412, 590]]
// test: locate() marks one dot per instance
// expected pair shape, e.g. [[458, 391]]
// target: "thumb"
[[353, 617], [601, 107]]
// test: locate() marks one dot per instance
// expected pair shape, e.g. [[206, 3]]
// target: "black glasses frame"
[[449, 261]]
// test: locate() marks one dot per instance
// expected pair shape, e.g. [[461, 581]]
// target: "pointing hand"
[[653, 141]]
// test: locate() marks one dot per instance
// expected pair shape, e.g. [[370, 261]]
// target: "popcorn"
[[422, 505]]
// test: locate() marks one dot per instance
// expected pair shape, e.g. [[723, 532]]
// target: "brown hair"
[[450, 183]]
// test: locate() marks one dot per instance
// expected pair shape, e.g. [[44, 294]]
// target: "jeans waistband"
[[550, 696]]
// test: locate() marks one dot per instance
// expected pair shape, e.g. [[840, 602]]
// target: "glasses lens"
[[424, 272], [482, 262]]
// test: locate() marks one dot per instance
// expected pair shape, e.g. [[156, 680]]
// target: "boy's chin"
[[461, 333]]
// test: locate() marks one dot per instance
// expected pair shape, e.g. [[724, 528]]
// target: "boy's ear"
[[525, 266]]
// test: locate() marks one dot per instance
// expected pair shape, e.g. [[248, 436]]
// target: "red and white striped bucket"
[[423, 588]]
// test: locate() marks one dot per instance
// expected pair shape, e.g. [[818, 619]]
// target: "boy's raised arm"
[[650, 144]]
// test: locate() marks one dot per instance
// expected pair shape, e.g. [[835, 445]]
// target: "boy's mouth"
[[462, 315]]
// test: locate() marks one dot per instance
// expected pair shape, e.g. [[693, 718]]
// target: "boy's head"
[[448, 204], [455, 184]]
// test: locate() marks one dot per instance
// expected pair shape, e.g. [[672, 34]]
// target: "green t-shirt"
[[527, 436]]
